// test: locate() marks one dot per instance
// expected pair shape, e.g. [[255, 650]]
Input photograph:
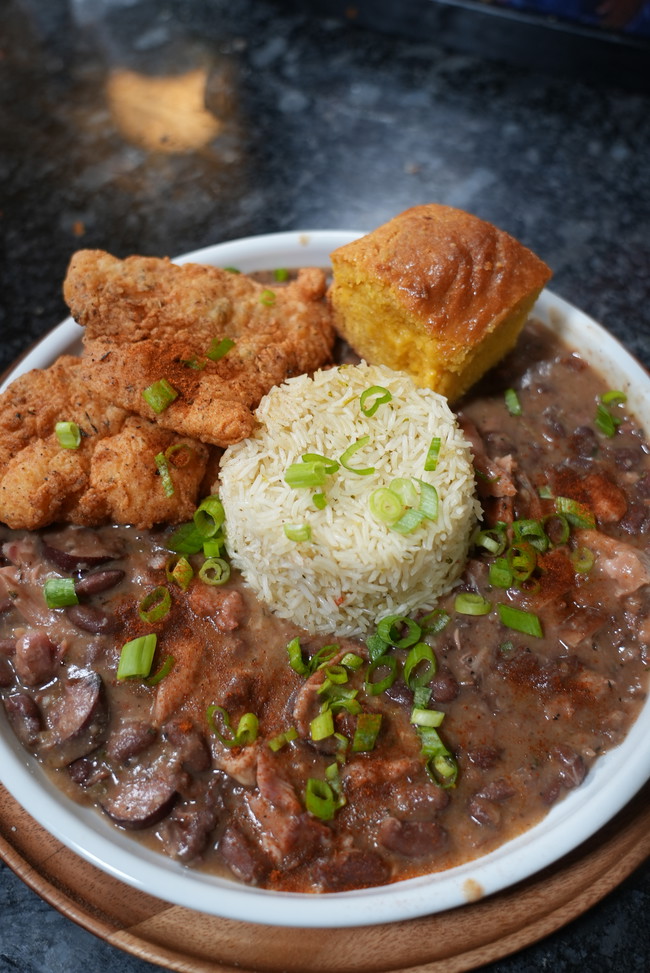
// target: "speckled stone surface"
[[321, 124]]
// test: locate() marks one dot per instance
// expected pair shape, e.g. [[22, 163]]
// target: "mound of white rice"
[[353, 570]]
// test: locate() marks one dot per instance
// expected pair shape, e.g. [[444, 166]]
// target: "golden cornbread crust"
[[435, 292]]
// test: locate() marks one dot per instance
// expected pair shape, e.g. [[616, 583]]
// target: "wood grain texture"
[[451, 942]]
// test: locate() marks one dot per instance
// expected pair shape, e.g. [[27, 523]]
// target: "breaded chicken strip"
[[111, 476], [147, 319]]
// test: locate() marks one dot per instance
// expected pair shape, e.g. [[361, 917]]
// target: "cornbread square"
[[435, 292]]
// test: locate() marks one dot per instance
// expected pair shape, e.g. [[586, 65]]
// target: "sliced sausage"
[[411, 839], [141, 801], [243, 858], [351, 869], [36, 659], [77, 719], [130, 739], [24, 716]]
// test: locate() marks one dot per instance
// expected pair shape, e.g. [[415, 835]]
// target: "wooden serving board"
[[193, 942]]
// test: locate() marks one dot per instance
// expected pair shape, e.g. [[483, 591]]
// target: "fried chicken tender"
[[111, 476], [147, 319]]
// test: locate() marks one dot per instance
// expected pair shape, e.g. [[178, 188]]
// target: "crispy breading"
[[111, 476], [147, 318]]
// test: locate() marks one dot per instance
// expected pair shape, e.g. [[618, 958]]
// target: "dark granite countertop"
[[307, 122]]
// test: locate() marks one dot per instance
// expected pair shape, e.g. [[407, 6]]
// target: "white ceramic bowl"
[[611, 783]]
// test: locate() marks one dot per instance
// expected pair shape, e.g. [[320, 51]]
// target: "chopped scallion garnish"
[[247, 728], [513, 405], [281, 274], [186, 539], [520, 620], [426, 717], [322, 726], [366, 732], [179, 571], [388, 662], [68, 435], [420, 666], [470, 603], [60, 592], [578, 514], [319, 799], [582, 560], [319, 500], [385, 506], [297, 532], [164, 670], [349, 453], [165, 475], [277, 742], [155, 605], [219, 348], [214, 571], [159, 395], [136, 657], [376, 395], [399, 630], [209, 516], [267, 297], [433, 454]]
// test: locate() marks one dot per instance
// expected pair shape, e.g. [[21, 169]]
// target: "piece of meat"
[[146, 318], [111, 476], [623, 565]]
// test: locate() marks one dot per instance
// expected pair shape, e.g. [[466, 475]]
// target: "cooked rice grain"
[[353, 571]]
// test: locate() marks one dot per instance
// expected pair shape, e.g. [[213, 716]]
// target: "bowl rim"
[[613, 780]]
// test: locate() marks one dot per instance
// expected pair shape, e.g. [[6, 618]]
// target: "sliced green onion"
[[433, 454], [233, 270], [376, 646], [319, 799], [136, 657], [281, 274], [420, 653], [406, 490], [578, 514], [582, 559], [305, 474], [60, 592], [613, 397], [422, 696], [276, 743], [557, 529], [605, 421], [336, 674], [179, 571], [319, 500], [196, 363], [500, 573], [441, 766], [391, 631], [322, 726], [520, 621], [159, 395], [428, 500], [493, 539], [179, 454], [352, 661], [68, 435], [349, 453], [164, 670], [434, 622], [339, 698], [155, 605], [533, 532], [470, 603], [379, 396], [214, 571], [366, 732], [320, 659], [247, 728], [545, 492], [186, 539], [296, 660], [408, 522], [513, 405], [209, 516], [165, 475], [381, 685], [426, 717], [219, 348], [213, 546], [522, 560], [385, 506], [267, 297], [329, 465], [297, 532]]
